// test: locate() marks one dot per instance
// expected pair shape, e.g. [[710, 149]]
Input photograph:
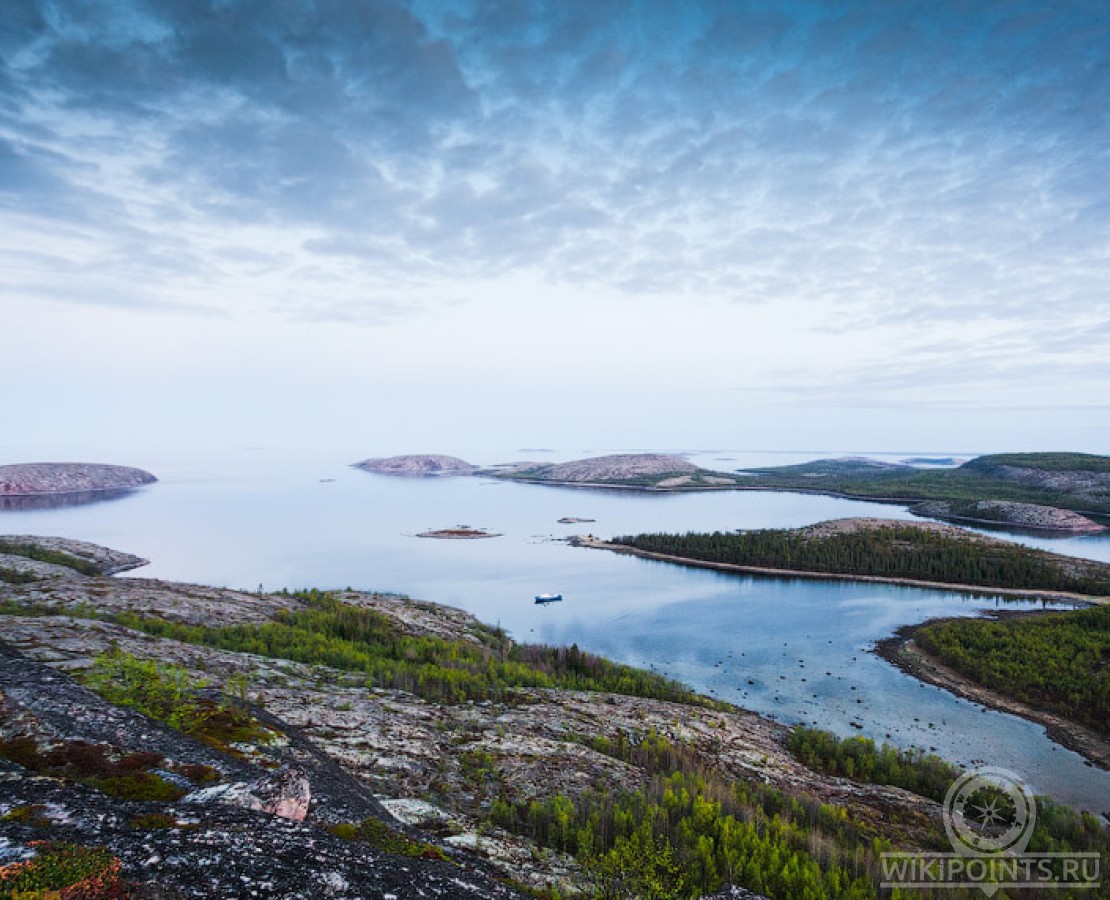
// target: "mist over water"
[[795, 649]]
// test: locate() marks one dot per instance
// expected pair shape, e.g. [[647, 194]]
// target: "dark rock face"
[[207, 847], [30, 479], [417, 464]]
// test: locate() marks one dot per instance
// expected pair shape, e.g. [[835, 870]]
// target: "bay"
[[795, 649]]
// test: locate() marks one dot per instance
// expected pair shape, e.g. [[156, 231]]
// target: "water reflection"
[[60, 501]]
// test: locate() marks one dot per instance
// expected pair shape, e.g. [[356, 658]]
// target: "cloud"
[[894, 162]]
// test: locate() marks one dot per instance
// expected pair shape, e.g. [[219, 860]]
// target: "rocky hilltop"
[[30, 479], [1003, 512], [417, 464], [305, 781], [1081, 476]]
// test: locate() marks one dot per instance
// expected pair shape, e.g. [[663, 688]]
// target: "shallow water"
[[804, 646]]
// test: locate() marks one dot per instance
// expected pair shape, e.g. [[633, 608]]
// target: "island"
[[460, 532], [199, 741], [30, 485], [417, 464]]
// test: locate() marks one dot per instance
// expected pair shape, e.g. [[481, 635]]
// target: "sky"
[[362, 227]]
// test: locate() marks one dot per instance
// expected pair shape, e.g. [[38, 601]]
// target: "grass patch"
[[76, 870], [170, 694], [56, 557], [329, 632], [381, 836], [126, 776]]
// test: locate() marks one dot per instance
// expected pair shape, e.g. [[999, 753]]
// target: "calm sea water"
[[794, 649]]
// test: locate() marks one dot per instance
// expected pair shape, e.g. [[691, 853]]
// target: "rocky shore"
[[335, 752], [903, 652], [1005, 513]]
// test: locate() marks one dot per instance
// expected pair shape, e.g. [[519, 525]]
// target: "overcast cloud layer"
[[890, 212]]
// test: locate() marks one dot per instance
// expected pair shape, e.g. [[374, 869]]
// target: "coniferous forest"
[[909, 552], [1059, 661]]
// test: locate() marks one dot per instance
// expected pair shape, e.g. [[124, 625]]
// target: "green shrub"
[[86, 871]]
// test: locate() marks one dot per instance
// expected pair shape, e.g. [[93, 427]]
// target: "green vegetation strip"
[[900, 552], [691, 829], [329, 632], [76, 870], [55, 557], [858, 758], [1057, 661]]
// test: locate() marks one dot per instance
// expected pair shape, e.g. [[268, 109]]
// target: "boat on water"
[[548, 598]]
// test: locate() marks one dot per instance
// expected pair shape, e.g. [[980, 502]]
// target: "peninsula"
[[923, 554]]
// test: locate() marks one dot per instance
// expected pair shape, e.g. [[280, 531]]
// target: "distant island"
[[30, 479], [461, 532], [925, 554], [1061, 493], [417, 464], [1022, 489]]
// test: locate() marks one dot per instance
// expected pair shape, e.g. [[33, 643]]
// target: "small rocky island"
[[33, 479], [417, 464], [460, 532]]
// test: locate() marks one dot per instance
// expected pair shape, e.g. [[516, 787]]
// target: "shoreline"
[[906, 502], [903, 652], [1017, 593]]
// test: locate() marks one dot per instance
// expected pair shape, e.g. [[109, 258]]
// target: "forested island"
[[881, 549], [204, 742], [1071, 481]]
